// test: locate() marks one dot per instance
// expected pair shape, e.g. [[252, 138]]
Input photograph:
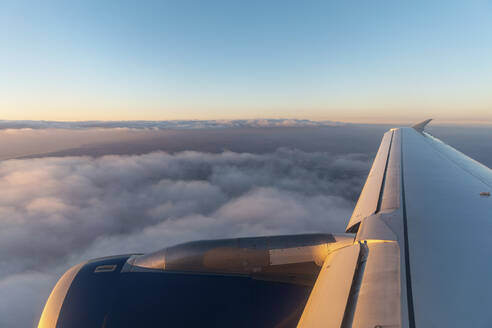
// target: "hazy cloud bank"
[[160, 125], [55, 212]]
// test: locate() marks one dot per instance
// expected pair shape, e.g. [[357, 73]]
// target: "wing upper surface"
[[434, 202], [423, 222], [449, 227]]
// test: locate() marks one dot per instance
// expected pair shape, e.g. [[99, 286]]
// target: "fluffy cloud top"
[[55, 212]]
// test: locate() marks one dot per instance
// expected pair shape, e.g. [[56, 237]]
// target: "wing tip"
[[421, 126]]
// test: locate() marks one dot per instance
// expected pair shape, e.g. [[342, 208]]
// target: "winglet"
[[421, 126]]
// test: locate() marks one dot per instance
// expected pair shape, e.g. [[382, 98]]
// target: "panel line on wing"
[[408, 279], [348, 316]]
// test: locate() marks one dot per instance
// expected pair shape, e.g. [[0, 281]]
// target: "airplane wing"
[[415, 254], [420, 258]]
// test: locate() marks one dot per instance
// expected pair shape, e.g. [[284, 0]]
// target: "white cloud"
[[57, 211]]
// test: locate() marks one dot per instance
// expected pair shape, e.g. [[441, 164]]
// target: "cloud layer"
[[160, 125], [55, 212]]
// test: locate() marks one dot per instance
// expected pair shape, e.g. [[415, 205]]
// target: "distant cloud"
[[55, 212], [160, 125]]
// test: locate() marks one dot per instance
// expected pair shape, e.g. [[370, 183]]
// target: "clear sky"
[[160, 60]]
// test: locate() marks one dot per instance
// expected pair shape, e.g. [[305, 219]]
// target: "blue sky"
[[343, 60]]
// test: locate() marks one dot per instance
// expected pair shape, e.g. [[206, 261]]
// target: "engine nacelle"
[[233, 282]]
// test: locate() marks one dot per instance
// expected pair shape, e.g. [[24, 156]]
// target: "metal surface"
[[291, 258], [54, 303], [327, 302], [391, 192], [115, 299], [419, 127], [368, 200], [383, 237], [432, 209], [466, 163], [449, 227], [378, 296]]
